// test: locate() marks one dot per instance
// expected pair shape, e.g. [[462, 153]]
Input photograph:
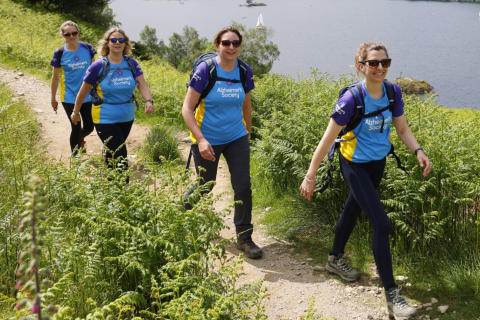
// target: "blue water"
[[435, 41]]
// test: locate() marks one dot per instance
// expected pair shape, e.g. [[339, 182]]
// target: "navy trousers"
[[363, 179], [79, 133]]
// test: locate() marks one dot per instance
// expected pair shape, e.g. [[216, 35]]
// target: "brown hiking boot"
[[251, 249]]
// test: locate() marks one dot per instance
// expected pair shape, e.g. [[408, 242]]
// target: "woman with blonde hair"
[[362, 161], [70, 62], [113, 114]]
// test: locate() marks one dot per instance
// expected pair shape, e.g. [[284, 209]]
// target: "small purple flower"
[[36, 306]]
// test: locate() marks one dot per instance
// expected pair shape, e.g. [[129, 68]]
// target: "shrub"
[[161, 145]]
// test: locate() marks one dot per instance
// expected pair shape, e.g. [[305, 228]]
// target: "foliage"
[[35, 48], [31, 219], [148, 38], [93, 11], [161, 145], [115, 251], [258, 50], [185, 48]]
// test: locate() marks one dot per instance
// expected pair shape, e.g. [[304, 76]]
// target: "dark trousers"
[[237, 154], [113, 136], [363, 179], [79, 133]]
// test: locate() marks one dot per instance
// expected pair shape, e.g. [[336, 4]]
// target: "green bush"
[[161, 145]]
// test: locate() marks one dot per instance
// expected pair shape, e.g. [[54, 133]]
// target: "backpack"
[[212, 78], [96, 99], [212, 71], [355, 120]]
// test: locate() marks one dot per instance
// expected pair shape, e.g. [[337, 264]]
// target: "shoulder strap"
[[60, 53], [358, 112], [105, 69], [243, 73], [131, 66], [212, 78]]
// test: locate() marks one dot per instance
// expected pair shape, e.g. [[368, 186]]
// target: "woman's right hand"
[[307, 188], [206, 150]]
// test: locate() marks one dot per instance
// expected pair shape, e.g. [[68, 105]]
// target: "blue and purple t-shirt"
[[220, 114], [115, 90], [366, 143], [73, 66]]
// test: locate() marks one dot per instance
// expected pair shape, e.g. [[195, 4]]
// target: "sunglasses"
[[114, 40], [68, 34], [227, 43], [373, 64]]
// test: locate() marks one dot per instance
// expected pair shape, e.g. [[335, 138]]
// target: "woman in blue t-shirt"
[[362, 161], [221, 125], [113, 116], [70, 62]]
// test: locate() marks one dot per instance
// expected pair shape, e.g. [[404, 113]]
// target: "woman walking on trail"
[[72, 60], [221, 125], [113, 109], [362, 161]]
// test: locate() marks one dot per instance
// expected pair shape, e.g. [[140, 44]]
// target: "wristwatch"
[[418, 149], [75, 114], [150, 100]]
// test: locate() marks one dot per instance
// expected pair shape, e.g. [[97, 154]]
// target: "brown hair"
[[364, 49], [103, 49], [68, 23], [220, 33]]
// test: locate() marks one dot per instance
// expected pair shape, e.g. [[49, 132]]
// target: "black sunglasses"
[[68, 34], [227, 43], [114, 40], [374, 63]]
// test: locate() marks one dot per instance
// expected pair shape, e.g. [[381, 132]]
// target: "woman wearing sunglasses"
[[362, 162], [70, 62], [221, 125], [113, 117]]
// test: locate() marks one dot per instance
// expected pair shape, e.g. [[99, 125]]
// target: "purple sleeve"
[[399, 104], [55, 61], [249, 85], [199, 78], [92, 73], [91, 49], [138, 69], [344, 109]]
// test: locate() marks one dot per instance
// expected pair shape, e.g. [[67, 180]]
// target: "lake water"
[[435, 41]]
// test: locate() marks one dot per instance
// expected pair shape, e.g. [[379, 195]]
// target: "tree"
[[184, 49], [148, 38], [257, 48]]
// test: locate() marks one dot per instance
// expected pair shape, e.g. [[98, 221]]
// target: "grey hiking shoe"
[[397, 305], [251, 249], [339, 266]]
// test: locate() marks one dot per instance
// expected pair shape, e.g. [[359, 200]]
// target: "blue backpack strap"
[[358, 112], [243, 73]]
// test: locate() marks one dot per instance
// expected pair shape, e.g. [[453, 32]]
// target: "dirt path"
[[290, 279]]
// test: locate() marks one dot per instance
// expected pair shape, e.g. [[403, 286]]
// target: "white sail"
[[260, 24]]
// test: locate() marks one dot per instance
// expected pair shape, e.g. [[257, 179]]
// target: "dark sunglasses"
[[374, 63], [68, 34], [227, 43], [114, 40]]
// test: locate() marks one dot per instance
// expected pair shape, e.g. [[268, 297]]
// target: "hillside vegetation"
[[125, 253]]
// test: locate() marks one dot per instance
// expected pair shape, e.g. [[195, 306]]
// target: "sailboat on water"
[[260, 24]]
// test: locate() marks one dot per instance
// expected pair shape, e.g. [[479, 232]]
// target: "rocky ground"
[[291, 278]]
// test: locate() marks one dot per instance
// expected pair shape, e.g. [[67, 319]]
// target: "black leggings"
[[363, 179], [79, 133], [113, 136]]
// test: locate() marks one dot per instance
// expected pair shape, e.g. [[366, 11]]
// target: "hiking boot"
[[397, 305], [339, 266], [250, 248]]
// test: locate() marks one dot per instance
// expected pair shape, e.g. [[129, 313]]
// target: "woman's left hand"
[[424, 162], [149, 107]]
